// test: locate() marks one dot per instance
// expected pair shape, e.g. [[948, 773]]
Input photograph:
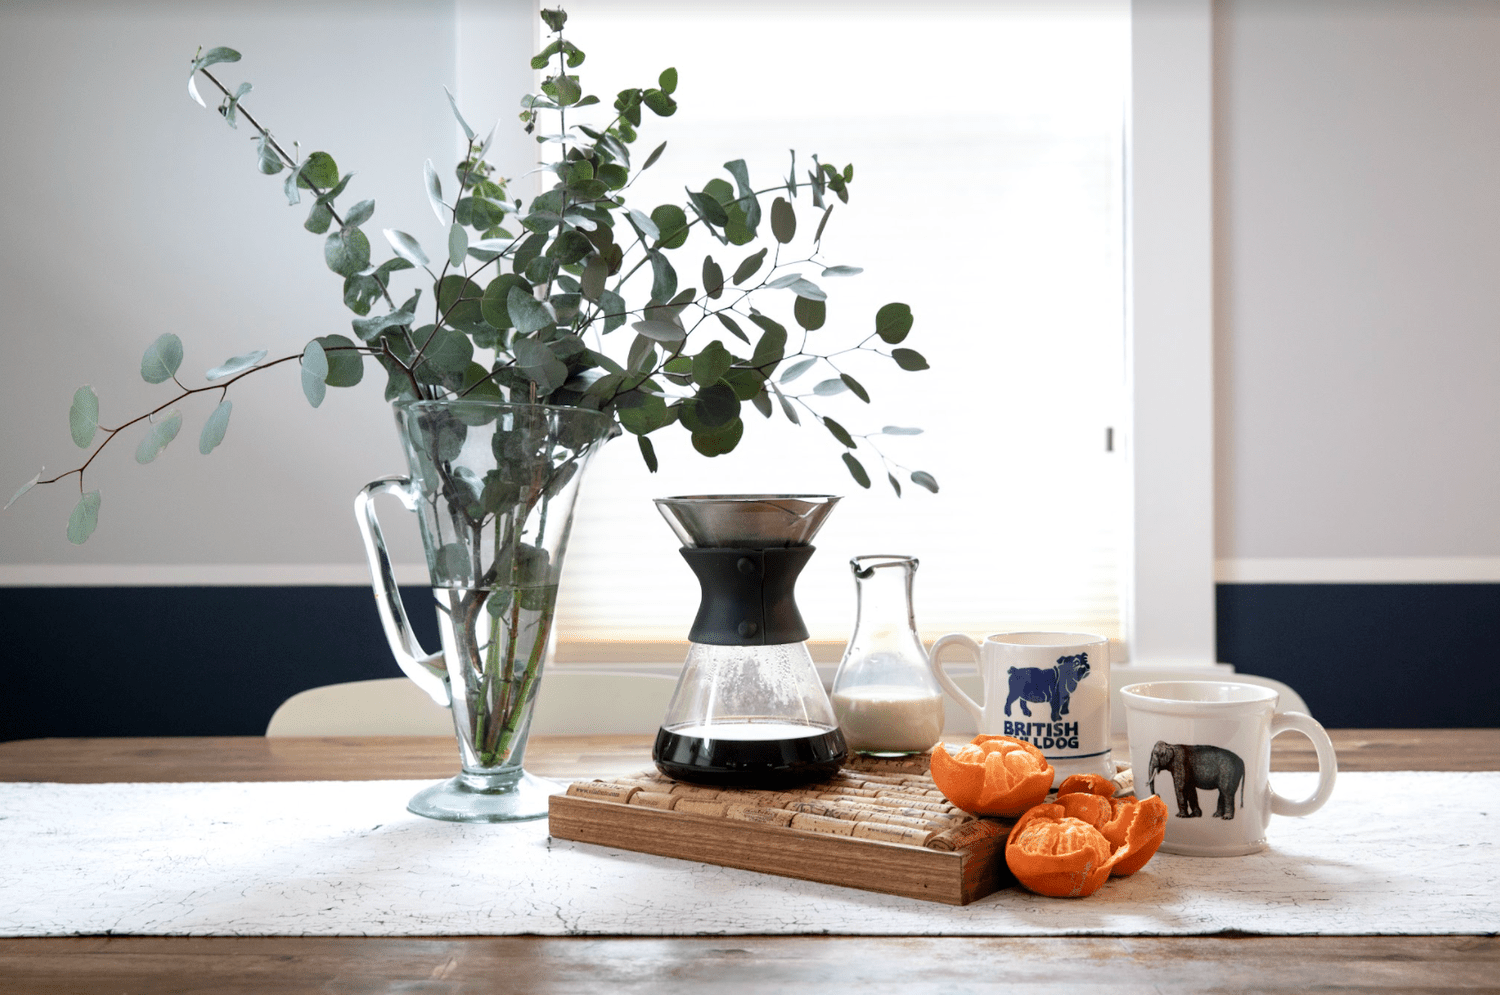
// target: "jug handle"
[[943, 679], [425, 669]]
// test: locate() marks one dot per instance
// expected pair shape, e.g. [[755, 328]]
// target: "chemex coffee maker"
[[749, 709]]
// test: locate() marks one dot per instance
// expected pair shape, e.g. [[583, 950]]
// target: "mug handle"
[[425, 669], [1328, 764], [956, 638]]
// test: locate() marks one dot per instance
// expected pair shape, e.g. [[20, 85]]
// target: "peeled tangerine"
[[1067, 849], [993, 775]]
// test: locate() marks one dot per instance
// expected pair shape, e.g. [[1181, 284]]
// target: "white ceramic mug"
[[1211, 740], [1049, 688]]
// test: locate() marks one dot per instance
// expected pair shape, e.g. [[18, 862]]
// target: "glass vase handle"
[[427, 670]]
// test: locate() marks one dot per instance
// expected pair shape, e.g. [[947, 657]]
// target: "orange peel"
[[1069, 848], [992, 775]]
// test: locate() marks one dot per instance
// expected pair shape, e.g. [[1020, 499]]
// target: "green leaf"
[[895, 484], [359, 214], [369, 328], [772, 345], [843, 271], [565, 89], [828, 388], [554, 19], [448, 351], [856, 387], [406, 247], [748, 268], [857, 470], [237, 364], [595, 273], [347, 251], [84, 519], [526, 312], [733, 326], [434, 192], [909, 359], [215, 427], [839, 432], [314, 373], [157, 436], [810, 313], [892, 322], [667, 80], [713, 278], [468, 131], [648, 453], [643, 224], [655, 155], [712, 407], [783, 220], [162, 359], [318, 171], [458, 245], [640, 412], [786, 406], [663, 277], [612, 307], [708, 208], [710, 365], [798, 368], [660, 103], [495, 304], [319, 218], [671, 222], [923, 479], [818, 235], [718, 441], [540, 365], [268, 160], [83, 416], [346, 367], [642, 355], [23, 489], [898, 430], [660, 331]]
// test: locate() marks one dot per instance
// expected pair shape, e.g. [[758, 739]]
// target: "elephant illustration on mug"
[[1195, 767]]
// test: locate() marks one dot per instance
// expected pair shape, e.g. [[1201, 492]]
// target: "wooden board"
[[933, 866]]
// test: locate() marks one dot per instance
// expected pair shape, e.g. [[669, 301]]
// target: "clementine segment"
[[993, 775]]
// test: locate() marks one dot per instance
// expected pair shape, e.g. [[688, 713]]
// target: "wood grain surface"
[[665, 966]]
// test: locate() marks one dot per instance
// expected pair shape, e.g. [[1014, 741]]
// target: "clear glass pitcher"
[[493, 486], [884, 695]]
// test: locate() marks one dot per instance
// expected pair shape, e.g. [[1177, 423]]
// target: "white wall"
[[128, 211], [1358, 303]]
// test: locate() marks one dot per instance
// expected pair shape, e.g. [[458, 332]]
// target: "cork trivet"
[[917, 763], [699, 806], [893, 834], [656, 799], [750, 813], [968, 834], [696, 791], [822, 824], [602, 790]]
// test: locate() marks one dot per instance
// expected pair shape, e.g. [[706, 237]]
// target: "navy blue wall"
[[1383, 656], [182, 661]]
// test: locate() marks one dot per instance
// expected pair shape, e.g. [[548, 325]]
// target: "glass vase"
[[494, 487]]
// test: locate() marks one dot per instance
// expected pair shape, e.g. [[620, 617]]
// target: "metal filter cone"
[[746, 521]]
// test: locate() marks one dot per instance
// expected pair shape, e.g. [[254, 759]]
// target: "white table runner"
[[1393, 853]]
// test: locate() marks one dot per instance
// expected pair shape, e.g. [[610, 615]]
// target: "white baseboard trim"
[[199, 574], [1361, 570]]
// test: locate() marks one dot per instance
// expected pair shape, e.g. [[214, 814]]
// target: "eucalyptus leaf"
[[314, 373], [346, 367], [783, 220], [671, 221], [808, 289], [798, 368], [359, 214], [663, 277], [468, 131], [748, 268], [347, 251], [448, 351], [540, 365], [893, 322], [713, 278], [648, 453], [839, 432], [810, 313], [733, 326], [237, 364], [158, 436], [899, 430], [643, 224], [215, 427], [655, 155], [458, 245], [526, 312], [84, 519], [83, 416], [660, 331], [924, 479], [23, 489], [268, 160], [786, 406], [828, 388], [843, 271], [405, 246], [909, 359], [857, 470], [721, 440], [711, 363], [895, 484], [855, 387], [162, 359], [435, 192], [818, 235]]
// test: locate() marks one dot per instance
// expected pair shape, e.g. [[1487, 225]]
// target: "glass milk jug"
[[884, 696]]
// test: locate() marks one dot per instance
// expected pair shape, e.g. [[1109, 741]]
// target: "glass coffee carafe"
[[749, 709]]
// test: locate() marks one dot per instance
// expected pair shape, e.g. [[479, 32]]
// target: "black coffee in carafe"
[[749, 709]]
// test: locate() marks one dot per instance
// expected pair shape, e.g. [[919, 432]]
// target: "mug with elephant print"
[[1050, 689], [1205, 748]]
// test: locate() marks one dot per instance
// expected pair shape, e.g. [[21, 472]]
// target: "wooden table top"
[[666, 965]]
